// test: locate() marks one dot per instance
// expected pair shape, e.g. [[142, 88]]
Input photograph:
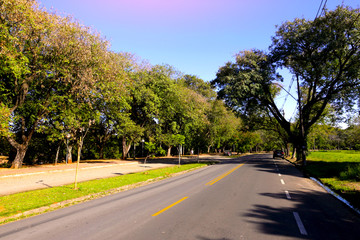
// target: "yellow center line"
[[224, 175], [170, 206]]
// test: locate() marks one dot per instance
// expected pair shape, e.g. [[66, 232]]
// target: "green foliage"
[[150, 147], [246, 85], [57, 76], [178, 139], [4, 120], [160, 151], [351, 173], [323, 56], [153, 149], [198, 85], [339, 170]]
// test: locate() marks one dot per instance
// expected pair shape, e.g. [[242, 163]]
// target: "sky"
[[196, 37]]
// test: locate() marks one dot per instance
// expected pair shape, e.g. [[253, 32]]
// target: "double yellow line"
[[224, 175]]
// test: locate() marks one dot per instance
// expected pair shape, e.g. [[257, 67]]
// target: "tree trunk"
[[125, 148], [103, 142], [19, 158], [287, 150], [20, 151], [169, 151], [57, 154], [301, 150], [293, 152], [101, 151], [68, 154]]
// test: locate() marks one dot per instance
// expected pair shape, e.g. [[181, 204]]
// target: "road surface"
[[253, 197]]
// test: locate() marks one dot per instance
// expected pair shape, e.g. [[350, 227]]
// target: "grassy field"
[[21, 202], [340, 170]]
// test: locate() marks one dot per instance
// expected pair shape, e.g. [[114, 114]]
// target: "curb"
[[335, 195], [343, 200]]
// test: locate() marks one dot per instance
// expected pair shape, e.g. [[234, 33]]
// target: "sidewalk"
[[47, 176]]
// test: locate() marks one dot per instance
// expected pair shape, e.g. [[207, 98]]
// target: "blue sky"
[[194, 36]]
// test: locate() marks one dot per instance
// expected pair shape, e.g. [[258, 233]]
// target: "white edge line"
[[335, 195], [300, 224], [287, 195]]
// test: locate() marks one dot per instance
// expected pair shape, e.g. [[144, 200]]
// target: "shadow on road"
[[323, 216]]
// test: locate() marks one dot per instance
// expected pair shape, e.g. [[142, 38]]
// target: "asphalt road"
[[254, 197]]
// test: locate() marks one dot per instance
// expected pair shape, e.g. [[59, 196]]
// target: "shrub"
[[352, 173]]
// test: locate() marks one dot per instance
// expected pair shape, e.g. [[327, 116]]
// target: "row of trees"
[[60, 85], [325, 136]]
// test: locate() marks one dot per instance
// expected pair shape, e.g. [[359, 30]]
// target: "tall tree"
[[324, 57], [46, 59], [112, 98]]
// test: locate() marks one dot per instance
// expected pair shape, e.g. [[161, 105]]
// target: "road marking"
[[279, 174], [224, 175], [299, 223], [168, 207], [287, 195], [282, 181]]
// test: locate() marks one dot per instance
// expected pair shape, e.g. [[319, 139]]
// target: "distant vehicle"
[[278, 153], [227, 152]]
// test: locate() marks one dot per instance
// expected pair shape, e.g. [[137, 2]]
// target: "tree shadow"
[[323, 216], [265, 163], [42, 183], [322, 169]]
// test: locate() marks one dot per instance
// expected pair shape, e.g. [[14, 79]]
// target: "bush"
[[352, 173]]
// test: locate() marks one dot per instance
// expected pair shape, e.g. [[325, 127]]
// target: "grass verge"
[[30, 203], [339, 170]]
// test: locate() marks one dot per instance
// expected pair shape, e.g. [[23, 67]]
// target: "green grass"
[[21, 202], [335, 156], [339, 170]]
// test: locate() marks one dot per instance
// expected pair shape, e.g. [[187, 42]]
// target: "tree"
[[221, 125], [25, 32], [324, 57], [198, 85], [112, 98], [46, 58], [352, 134]]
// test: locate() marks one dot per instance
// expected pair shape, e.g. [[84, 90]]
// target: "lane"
[[240, 199], [227, 210]]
